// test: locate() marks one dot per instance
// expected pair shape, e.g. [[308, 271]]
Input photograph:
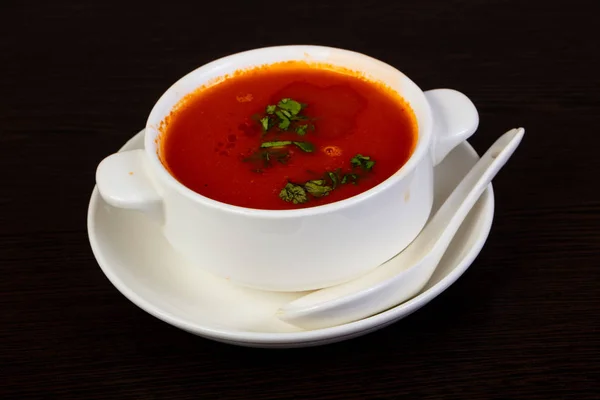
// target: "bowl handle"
[[123, 181], [455, 119]]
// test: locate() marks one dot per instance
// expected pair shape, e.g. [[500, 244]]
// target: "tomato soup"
[[287, 136]]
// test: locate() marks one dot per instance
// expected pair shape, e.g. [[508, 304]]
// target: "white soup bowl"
[[303, 249]]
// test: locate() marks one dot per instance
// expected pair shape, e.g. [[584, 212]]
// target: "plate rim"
[[310, 337]]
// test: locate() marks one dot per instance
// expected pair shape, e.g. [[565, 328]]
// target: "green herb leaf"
[[334, 178], [363, 162], [293, 193], [265, 122], [305, 146], [290, 105], [317, 188], [301, 129], [284, 122], [271, 109], [350, 178], [280, 143], [357, 160]]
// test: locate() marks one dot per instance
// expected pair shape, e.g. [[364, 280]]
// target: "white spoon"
[[404, 275]]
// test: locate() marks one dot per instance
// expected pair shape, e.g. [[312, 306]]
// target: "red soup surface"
[[287, 136]]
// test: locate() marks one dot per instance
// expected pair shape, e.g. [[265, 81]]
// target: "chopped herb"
[[334, 178], [293, 193], [301, 129], [317, 188], [265, 122], [350, 178], [284, 121], [280, 143], [290, 105], [307, 147], [298, 193], [286, 116], [286, 111], [304, 146], [363, 162]]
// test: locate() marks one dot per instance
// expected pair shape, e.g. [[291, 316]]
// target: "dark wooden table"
[[78, 78]]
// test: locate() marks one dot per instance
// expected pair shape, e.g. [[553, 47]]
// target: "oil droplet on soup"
[[288, 136]]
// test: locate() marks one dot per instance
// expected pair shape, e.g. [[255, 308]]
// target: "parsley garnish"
[[286, 116], [290, 105], [307, 147], [280, 143], [317, 188], [301, 129], [284, 121], [297, 193], [293, 193], [364, 162], [265, 122], [334, 178], [350, 178], [283, 114]]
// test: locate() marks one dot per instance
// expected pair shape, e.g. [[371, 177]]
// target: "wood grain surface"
[[78, 78]]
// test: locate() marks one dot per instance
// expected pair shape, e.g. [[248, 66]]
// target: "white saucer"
[[141, 265]]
